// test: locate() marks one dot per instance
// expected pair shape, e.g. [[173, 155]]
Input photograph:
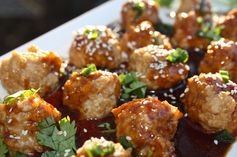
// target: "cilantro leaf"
[[179, 55], [89, 69], [61, 140], [19, 95], [3, 147]]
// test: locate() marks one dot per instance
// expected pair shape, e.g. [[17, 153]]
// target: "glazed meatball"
[[186, 29], [136, 11], [112, 149], [155, 70], [32, 69], [149, 124], [221, 55], [199, 6], [97, 45], [93, 96], [228, 25], [19, 120], [142, 35], [211, 102]]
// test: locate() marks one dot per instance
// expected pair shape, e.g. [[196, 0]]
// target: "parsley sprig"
[[179, 55], [89, 69], [60, 139], [19, 95], [132, 86], [3, 148]]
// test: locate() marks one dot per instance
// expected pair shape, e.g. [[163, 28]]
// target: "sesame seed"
[[216, 142], [85, 130]]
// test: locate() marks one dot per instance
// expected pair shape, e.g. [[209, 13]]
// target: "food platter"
[[60, 39]]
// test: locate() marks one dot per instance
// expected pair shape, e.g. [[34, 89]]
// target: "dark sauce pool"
[[189, 140]]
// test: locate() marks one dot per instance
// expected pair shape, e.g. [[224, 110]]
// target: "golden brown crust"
[[32, 69], [142, 35], [150, 125], [103, 51], [228, 25], [19, 120], [186, 28], [211, 102], [93, 96], [153, 68], [221, 55], [150, 13]]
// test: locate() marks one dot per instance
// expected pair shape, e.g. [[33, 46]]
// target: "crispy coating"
[[186, 28], [150, 125], [199, 6], [143, 35], [101, 48], [93, 96], [119, 151], [132, 16], [228, 25], [19, 121], [211, 102], [154, 70], [221, 55], [31, 69]]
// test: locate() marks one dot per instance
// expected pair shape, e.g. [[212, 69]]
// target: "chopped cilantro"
[[138, 7], [127, 144], [108, 128], [225, 137], [3, 148], [225, 75], [19, 95], [100, 151], [92, 33], [89, 69], [131, 86], [164, 3], [179, 55], [61, 140], [209, 32]]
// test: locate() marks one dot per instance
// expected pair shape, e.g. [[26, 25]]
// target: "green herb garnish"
[[108, 128], [131, 86], [224, 75], [100, 151], [60, 139], [207, 31], [200, 20], [179, 55], [138, 7], [3, 148], [127, 144], [19, 154], [225, 137], [92, 33], [19, 95], [89, 69], [164, 3]]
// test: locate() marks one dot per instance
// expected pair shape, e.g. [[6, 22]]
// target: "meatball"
[[135, 11], [186, 29], [211, 102], [93, 96], [97, 45], [228, 25], [32, 69], [19, 120], [112, 149], [199, 6], [150, 125], [155, 70], [142, 35], [221, 54]]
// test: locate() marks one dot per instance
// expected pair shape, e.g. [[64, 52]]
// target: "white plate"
[[60, 38]]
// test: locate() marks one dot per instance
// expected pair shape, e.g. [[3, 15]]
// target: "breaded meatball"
[[32, 69], [19, 120], [93, 96], [186, 30], [211, 102], [109, 148], [135, 11], [155, 70], [199, 6], [97, 45], [228, 25], [149, 124], [221, 55], [142, 35]]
